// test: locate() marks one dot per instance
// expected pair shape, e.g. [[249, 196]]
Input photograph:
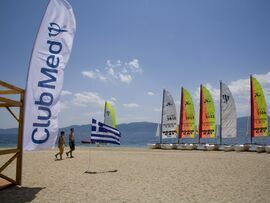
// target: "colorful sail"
[[187, 115], [259, 118], [109, 116], [228, 112], [207, 114], [169, 121]]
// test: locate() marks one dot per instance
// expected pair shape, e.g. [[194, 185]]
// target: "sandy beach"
[[142, 175]]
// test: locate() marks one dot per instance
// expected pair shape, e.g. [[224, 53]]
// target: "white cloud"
[[125, 78], [131, 105], [157, 109], [94, 75], [150, 93], [117, 71], [63, 106], [65, 92], [112, 100], [85, 99], [134, 65]]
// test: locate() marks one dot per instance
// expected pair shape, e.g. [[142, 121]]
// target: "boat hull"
[[190, 146], [241, 148], [168, 146], [267, 148], [228, 148], [154, 146], [260, 149], [211, 147]]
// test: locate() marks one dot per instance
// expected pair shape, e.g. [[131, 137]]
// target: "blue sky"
[[128, 51]]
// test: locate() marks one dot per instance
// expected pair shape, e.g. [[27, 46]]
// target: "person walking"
[[71, 143], [61, 145]]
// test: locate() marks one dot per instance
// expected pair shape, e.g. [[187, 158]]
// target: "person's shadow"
[[19, 194]]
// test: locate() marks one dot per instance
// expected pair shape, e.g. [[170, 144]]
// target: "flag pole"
[[89, 160], [181, 115], [200, 118], [162, 108], [220, 113], [252, 109]]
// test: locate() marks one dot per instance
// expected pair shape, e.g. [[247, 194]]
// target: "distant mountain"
[[137, 134]]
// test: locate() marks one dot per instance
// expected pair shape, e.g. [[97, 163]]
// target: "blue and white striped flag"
[[103, 133]]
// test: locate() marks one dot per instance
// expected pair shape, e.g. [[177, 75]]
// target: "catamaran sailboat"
[[187, 120], [228, 116], [168, 126], [207, 124], [259, 117]]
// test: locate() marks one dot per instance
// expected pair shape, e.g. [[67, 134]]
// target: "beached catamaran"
[[187, 119], [259, 117], [228, 116], [168, 127], [207, 124]]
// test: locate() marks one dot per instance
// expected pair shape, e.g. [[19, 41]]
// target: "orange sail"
[[187, 116]]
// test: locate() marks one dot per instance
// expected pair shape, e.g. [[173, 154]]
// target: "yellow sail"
[[109, 115]]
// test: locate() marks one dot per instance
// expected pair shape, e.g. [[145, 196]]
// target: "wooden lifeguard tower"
[[8, 89]]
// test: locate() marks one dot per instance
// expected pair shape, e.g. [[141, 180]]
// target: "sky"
[[127, 51]]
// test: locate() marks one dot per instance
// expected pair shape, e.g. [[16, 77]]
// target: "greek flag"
[[103, 133]]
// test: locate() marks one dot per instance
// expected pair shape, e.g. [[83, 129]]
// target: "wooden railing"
[[18, 152]]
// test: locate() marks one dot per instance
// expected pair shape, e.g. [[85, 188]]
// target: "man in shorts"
[[71, 143]]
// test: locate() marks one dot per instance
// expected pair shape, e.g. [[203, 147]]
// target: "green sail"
[[258, 110], [109, 116], [208, 115]]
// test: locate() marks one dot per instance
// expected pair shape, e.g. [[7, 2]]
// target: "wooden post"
[[7, 103], [20, 143]]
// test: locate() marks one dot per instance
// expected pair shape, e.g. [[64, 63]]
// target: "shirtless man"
[[71, 143]]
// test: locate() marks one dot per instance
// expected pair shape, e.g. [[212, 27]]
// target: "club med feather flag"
[[50, 55], [102, 133]]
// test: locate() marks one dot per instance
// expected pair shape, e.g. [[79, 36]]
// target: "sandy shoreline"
[[142, 176]]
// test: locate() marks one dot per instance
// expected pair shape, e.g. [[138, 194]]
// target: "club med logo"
[[55, 30], [47, 84]]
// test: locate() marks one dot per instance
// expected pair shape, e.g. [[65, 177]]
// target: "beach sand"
[[142, 176]]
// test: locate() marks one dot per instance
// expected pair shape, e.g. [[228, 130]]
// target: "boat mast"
[[220, 113], [181, 115], [201, 110], [105, 111], [252, 109], [162, 109]]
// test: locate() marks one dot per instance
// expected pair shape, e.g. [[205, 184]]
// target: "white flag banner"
[[229, 117], [50, 55]]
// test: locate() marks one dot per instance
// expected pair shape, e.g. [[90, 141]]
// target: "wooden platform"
[[4, 184]]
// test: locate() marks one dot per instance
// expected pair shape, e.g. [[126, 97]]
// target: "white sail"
[[228, 114], [169, 121]]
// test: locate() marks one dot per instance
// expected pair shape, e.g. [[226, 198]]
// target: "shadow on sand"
[[19, 194], [97, 172]]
